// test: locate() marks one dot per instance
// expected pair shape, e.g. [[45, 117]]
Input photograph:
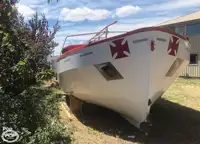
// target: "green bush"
[[25, 105], [37, 110], [52, 134]]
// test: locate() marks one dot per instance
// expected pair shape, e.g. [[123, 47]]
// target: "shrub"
[[25, 105]]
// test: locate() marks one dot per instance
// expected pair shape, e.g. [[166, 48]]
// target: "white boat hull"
[[144, 66]]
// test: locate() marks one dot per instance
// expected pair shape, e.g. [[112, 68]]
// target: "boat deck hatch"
[[108, 71]]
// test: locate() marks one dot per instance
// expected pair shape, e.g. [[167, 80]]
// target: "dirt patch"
[[97, 126]]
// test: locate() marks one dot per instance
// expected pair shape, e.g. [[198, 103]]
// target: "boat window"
[[175, 66], [108, 71], [193, 59], [193, 29]]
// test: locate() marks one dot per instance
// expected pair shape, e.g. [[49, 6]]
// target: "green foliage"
[[13, 47], [29, 43], [52, 134], [35, 109], [45, 74], [26, 106]]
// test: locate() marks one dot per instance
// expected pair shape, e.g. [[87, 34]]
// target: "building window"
[[193, 29], [193, 59], [172, 29], [180, 30]]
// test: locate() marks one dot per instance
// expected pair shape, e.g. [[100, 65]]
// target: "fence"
[[191, 71]]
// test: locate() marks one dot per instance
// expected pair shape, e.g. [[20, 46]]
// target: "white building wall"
[[193, 70]]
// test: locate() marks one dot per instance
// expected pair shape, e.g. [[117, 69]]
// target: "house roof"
[[186, 18]]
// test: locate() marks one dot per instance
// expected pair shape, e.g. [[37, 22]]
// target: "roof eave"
[[179, 23]]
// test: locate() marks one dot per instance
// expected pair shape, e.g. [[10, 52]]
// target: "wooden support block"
[[65, 111], [75, 104]]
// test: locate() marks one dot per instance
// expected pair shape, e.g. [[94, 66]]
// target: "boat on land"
[[127, 72]]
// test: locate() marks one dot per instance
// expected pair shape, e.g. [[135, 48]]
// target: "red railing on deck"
[[103, 31], [98, 36]]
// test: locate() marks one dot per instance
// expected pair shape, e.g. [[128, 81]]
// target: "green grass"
[[176, 116], [185, 92]]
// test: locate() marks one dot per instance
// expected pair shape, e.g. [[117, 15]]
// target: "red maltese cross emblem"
[[173, 46], [119, 48]]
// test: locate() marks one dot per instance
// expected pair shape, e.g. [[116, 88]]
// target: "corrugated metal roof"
[[189, 17]]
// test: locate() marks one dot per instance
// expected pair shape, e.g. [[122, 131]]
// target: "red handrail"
[[76, 35], [96, 33], [102, 30]]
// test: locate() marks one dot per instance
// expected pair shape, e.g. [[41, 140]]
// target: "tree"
[[24, 48], [13, 44], [24, 103]]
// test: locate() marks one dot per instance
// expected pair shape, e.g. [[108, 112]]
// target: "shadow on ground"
[[172, 124]]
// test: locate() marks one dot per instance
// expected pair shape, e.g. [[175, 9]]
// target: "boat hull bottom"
[[77, 104]]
